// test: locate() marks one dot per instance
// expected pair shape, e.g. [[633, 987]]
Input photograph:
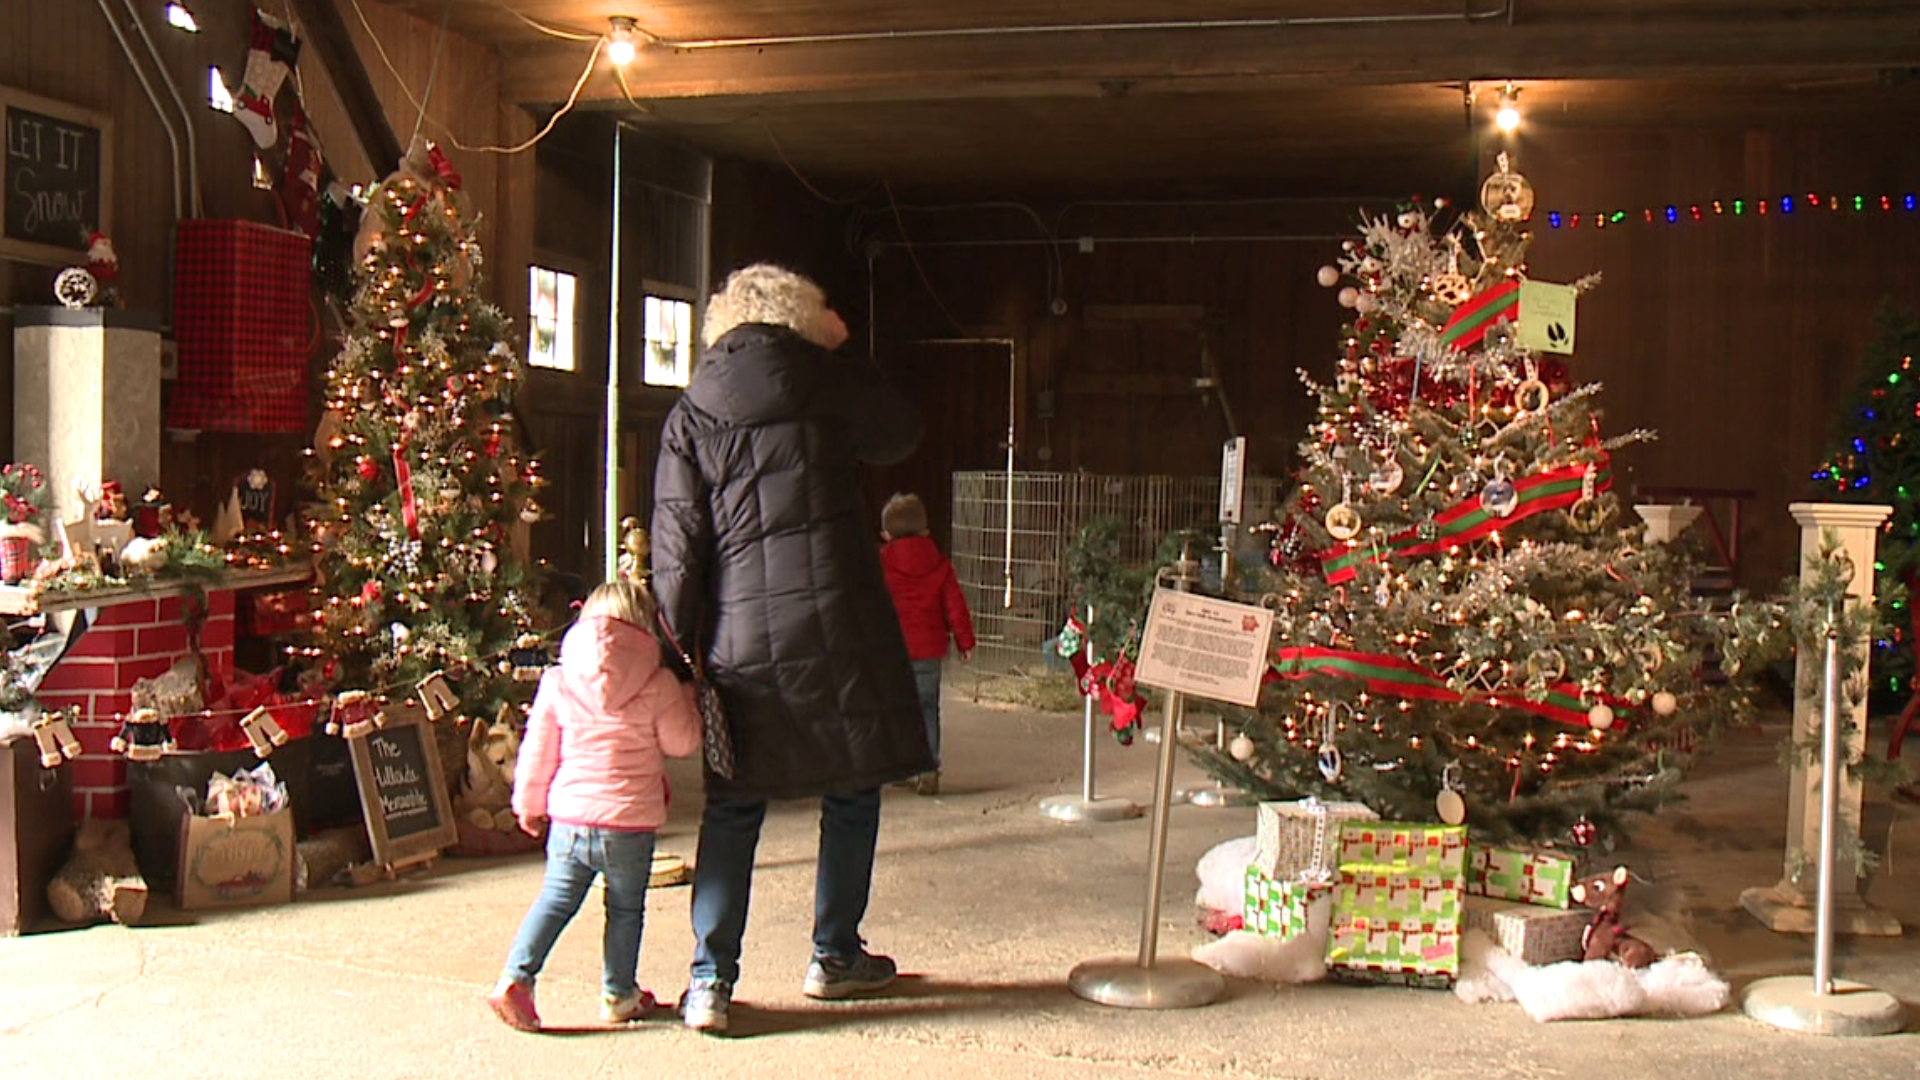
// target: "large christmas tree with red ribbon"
[[420, 486], [1468, 624]]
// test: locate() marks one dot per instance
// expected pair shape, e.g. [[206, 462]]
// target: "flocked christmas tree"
[[1876, 459], [418, 482], [1466, 624]]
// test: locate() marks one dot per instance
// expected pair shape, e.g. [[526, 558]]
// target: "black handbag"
[[716, 740]]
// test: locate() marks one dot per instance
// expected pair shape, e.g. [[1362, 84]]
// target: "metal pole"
[[1147, 983], [1087, 807], [1829, 798], [612, 515], [1086, 755]]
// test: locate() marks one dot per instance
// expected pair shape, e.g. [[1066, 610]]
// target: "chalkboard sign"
[[402, 789], [56, 178]]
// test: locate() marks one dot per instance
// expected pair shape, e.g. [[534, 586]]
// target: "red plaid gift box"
[[243, 320]]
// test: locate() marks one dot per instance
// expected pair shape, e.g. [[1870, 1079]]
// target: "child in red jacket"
[[926, 595]]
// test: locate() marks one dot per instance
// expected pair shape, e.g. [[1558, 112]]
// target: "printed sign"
[[1209, 648], [55, 180]]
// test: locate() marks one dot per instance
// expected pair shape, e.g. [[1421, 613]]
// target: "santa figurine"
[[104, 265]]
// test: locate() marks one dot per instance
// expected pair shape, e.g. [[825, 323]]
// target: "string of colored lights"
[[1784, 205]]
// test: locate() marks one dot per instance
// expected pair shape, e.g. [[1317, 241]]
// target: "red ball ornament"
[[370, 592], [1584, 833], [369, 470], [492, 445]]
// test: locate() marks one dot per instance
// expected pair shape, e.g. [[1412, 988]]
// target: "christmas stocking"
[[271, 52], [299, 186]]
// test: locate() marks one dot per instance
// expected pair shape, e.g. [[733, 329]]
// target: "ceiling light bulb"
[[1508, 116], [180, 17], [620, 44]]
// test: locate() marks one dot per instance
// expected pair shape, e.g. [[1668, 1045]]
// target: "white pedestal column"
[[1789, 905], [86, 399]]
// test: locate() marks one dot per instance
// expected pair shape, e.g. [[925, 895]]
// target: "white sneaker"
[[627, 1007]]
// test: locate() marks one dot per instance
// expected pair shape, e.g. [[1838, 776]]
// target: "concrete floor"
[[987, 905]]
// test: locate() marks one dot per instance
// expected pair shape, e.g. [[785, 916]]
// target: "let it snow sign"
[[1205, 647], [56, 179]]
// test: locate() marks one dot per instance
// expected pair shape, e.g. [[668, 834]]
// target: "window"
[[669, 352], [550, 310]]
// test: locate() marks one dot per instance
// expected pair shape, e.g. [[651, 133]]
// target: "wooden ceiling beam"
[[1117, 62]]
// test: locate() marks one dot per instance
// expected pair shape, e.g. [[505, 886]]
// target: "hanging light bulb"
[[1507, 117], [620, 41]]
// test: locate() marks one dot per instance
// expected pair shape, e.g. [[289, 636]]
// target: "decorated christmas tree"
[[1467, 625], [418, 481], [1876, 459]]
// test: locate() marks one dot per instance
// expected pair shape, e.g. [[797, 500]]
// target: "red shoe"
[[512, 1002]]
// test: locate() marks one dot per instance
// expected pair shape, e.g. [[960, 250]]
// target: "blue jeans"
[[926, 679], [723, 879], [575, 853]]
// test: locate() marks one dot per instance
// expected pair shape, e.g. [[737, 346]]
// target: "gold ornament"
[[1343, 522]]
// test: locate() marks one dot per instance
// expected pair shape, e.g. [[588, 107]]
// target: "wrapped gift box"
[[1434, 849], [1397, 904], [243, 322], [1527, 877], [1279, 908], [1535, 934], [1288, 834]]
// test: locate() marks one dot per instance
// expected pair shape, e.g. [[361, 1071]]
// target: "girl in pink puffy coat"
[[593, 769]]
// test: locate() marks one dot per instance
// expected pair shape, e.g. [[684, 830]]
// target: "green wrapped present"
[[1527, 877], [1534, 934], [1279, 908], [1397, 904], [1389, 922], [1434, 849]]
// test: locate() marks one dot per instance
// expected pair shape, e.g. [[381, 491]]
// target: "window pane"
[[669, 347], [550, 314]]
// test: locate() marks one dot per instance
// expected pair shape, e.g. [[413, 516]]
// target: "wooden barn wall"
[[1736, 339], [66, 51]]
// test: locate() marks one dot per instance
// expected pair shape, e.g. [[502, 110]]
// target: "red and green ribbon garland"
[[1393, 677], [1469, 520], [1471, 320]]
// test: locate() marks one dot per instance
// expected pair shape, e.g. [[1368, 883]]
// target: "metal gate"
[[1011, 532]]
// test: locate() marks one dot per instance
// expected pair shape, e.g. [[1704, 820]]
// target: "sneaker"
[[927, 783], [512, 1002], [704, 1006], [634, 1005], [831, 980]]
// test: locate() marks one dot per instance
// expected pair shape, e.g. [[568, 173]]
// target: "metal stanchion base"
[[1168, 984], [1852, 1009], [1215, 796], [1073, 808]]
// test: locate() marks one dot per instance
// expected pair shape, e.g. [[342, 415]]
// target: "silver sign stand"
[[1086, 806], [1826, 1005], [1147, 981]]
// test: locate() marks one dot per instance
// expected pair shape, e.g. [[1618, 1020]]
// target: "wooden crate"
[[36, 832]]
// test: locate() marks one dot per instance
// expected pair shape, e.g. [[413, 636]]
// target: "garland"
[[1469, 520], [1394, 677]]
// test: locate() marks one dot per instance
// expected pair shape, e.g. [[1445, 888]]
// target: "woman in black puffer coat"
[[764, 564]]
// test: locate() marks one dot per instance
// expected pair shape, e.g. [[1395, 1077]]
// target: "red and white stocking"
[[299, 186], [272, 51]]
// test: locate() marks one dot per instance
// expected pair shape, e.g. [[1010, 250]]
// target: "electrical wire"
[[915, 257], [586, 72], [804, 182], [549, 30]]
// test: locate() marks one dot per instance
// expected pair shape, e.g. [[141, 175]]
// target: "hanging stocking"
[[299, 186], [271, 52]]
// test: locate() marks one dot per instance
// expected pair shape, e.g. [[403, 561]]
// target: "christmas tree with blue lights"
[[1876, 459]]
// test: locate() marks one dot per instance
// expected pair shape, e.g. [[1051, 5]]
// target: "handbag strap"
[[667, 632]]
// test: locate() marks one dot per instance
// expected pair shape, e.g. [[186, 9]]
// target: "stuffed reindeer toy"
[[1605, 937]]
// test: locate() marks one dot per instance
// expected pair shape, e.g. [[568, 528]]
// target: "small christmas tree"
[[1466, 627], [1876, 459], [417, 480]]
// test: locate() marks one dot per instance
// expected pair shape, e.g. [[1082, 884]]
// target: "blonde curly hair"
[[765, 293], [627, 601]]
